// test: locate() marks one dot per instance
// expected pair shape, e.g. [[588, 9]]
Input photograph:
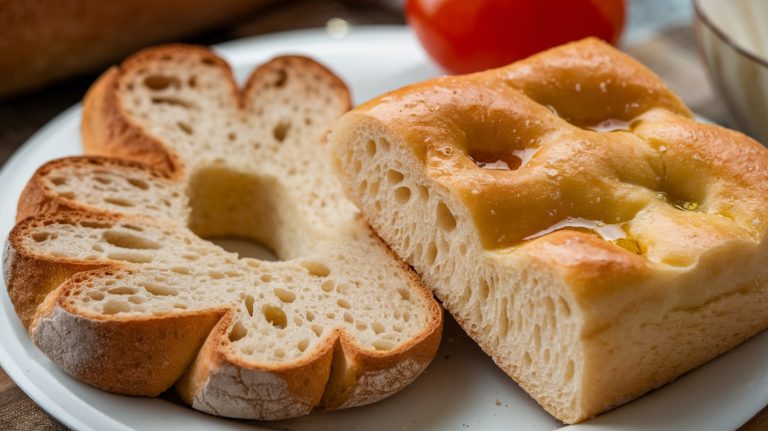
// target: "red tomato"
[[470, 35]]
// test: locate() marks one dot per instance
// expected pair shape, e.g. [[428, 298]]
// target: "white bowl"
[[733, 39]]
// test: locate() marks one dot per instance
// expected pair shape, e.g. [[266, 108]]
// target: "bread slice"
[[109, 268], [594, 239]]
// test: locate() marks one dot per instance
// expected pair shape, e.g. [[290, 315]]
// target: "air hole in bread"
[[503, 318], [348, 317], [118, 201], [238, 332], [192, 82], [132, 227], [280, 131], [130, 257], [316, 269], [431, 253], [549, 306], [310, 316], [317, 329], [370, 148], [285, 295], [537, 337], [445, 218], [266, 278], [383, 344], [180, 270], [58, 181], [128, 240], [121, 290], [137, 300], [160, 82], [172, 101], [423, 193], [184, 127], [404, 294], [377, 327], [41, 236], [362, 187], [483, 289], [281, 77], [527, 361], [402, 195], [384, 144], [343, 303], [565, 309], [231, 136], [92, 224], [102, 180], [66, 195], [275, 316], [394, 177], [158, 289], [569, 371], [249, 300], [374, 188], [95, 295], [302, 344], [114, 307], [328, 286]]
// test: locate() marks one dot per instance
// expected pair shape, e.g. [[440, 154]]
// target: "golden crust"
[[127, 355], [548, 114], [582, 180]]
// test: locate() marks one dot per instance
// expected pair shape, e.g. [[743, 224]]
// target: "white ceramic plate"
[[462, 389]]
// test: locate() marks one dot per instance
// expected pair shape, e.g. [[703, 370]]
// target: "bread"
[[594, 239], [110, 271], [48, 41]]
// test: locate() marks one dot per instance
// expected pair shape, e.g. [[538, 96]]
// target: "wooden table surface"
[[670, 51]]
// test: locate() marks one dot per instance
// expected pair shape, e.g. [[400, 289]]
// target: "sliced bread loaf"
[[109, 270]]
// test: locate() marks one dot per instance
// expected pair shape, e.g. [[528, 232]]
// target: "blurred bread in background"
[[45, 40]]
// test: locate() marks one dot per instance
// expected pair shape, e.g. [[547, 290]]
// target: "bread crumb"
[[498, 402]]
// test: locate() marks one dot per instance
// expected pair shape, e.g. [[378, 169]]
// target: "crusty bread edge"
[[128, 355], [340, 374], [37, 198]]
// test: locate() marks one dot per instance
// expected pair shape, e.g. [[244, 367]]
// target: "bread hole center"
[[246, 214]]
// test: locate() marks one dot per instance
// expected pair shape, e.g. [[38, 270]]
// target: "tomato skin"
[[471, 35]]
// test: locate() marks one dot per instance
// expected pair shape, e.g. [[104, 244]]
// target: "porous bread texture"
[[109, 270], [592, 238]]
